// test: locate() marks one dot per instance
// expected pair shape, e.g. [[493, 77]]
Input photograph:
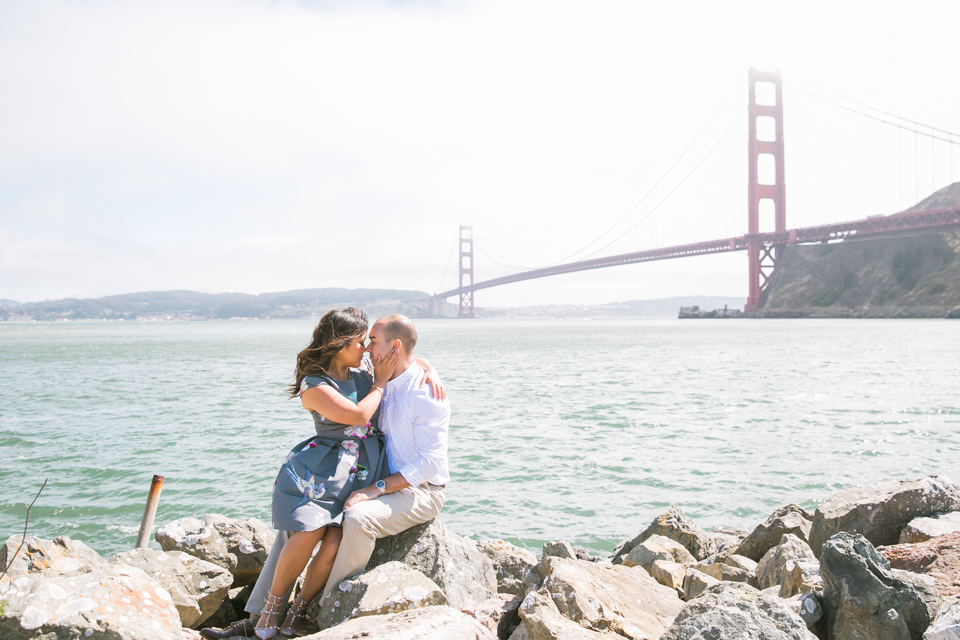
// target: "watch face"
[[381, 485]]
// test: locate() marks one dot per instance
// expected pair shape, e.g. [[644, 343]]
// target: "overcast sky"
[[257, 146]]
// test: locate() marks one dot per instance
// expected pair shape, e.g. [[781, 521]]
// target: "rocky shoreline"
[[877, 561]]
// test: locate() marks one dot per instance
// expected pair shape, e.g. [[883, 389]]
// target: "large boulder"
[[675, 525], [111, 602], [197, 587], [801, 577], [388, 588], [741, 562], [863, 598], [465, 575], [737, 611], [922, 529], [428, 623], [787, 519], [499, 614], [773, 566], [669, 574], [540, 619], [696, 582], [881, 510], [515, 567], [947, 624], [239, 546], [609, 598], [938, 558], [654, 548], [60, 555], [559, 549]]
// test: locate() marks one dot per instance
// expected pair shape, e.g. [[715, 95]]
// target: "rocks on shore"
[[790, 519], [675, 525], [921, 529], [772, 568], [515, 567], [60, 555], [428, 623], [938, 558]]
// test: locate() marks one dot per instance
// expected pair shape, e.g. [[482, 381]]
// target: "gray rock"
[[722, 571], [801, 577], [696, 582], [863, 598], [541, 620], [515, 567], [773, 565], [464, 574], [428, 623], [113, 601], [726, 541], [787, 519], [654, 548], [60, 555], [239, 546], [675, 525], [499, 614], [946, 626], [923, 529], [741, 562], [197, 587], [808, 606], [737, 611], [880, 511], [387, 588], [611, 598], [559, 550]]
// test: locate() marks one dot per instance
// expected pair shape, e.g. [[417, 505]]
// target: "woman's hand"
[[431, 378], [383, 370]]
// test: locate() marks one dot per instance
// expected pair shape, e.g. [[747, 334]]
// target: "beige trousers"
[[385, 516]]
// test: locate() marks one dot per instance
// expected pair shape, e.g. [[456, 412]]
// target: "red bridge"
[[763, 249]]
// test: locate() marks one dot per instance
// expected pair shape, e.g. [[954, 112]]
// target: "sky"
[[256, 146]]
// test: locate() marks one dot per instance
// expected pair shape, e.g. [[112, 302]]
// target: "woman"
[[321, 472]]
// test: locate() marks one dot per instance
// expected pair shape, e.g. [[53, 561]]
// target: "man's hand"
[[361, 495]]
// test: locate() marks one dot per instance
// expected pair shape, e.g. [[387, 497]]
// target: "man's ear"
[[398, 344]]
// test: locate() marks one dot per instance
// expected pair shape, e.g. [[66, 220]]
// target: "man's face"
[[379, 346]]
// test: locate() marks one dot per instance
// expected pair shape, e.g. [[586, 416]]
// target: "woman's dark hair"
[[336, 329]]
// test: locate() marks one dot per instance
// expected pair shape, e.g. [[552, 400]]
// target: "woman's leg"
[[314, 580], [293, 558]]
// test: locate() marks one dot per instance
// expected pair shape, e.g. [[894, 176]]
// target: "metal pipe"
[[146, 524]]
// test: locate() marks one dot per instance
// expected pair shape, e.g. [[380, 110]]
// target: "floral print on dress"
[[357, 431]]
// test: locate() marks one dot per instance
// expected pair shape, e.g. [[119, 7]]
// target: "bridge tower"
[[764, 199], [466, 270]]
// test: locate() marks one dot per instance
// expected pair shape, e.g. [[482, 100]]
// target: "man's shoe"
[[240, 628]]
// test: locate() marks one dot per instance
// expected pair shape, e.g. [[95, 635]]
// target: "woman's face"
[[352, 353]]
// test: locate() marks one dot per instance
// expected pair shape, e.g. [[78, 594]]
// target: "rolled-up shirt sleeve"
[[431, 426]]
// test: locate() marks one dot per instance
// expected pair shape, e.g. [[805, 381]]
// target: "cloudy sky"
[[245, 145]]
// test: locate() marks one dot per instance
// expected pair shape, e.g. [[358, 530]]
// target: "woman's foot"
[[266, 627], [295, 620]]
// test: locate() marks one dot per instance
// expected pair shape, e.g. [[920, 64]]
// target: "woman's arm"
[[432, 378], [329, 403]]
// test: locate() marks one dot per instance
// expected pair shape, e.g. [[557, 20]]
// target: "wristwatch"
[[381, 486]]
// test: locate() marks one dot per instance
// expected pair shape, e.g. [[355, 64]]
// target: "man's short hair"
[[399, 326]]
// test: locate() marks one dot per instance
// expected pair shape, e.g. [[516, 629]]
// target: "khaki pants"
[[385, 516]]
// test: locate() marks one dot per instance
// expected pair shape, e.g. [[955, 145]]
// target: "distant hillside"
[[894, 276], [191, 304]]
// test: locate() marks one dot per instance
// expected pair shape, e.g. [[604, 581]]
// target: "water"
[[573, 430]]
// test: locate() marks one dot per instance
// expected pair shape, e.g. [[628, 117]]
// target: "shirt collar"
[[405, 377]]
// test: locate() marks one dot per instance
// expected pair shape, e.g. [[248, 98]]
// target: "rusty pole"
[[146, 524]]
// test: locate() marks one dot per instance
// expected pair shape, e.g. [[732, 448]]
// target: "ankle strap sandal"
[[271, 608]]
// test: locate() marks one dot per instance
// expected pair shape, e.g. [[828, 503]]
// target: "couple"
[[376, 467]]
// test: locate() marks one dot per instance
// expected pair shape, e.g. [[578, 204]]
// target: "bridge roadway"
[[898, 222]]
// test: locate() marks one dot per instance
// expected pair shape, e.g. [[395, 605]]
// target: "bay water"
[[578, 430]]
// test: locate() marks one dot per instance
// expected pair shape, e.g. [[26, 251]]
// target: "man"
[[415, 425]]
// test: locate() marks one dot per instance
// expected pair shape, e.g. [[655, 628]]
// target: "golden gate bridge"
[[764, 198]]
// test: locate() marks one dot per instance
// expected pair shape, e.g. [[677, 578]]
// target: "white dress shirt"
[[416, 426]]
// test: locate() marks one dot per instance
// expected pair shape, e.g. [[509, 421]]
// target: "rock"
[[880, 511], [675, 525], [609, 598], [862, 597], [657, 547], [737, 611], [801, 577], [925, 587], [197, 587], [726, 541], [669, 574], [741, 562], [515, 567], [541, 620], [499, 614], [465, 575], [773, 565], [559, 550], [387, 588], [721, 571], [113, 601], [947, 624], [60, 555], [808, 606], [231, 609], [239, 546], [922, 529], [938, 558], [428, 623], [696, 582], [190, 634], [787, 519]]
